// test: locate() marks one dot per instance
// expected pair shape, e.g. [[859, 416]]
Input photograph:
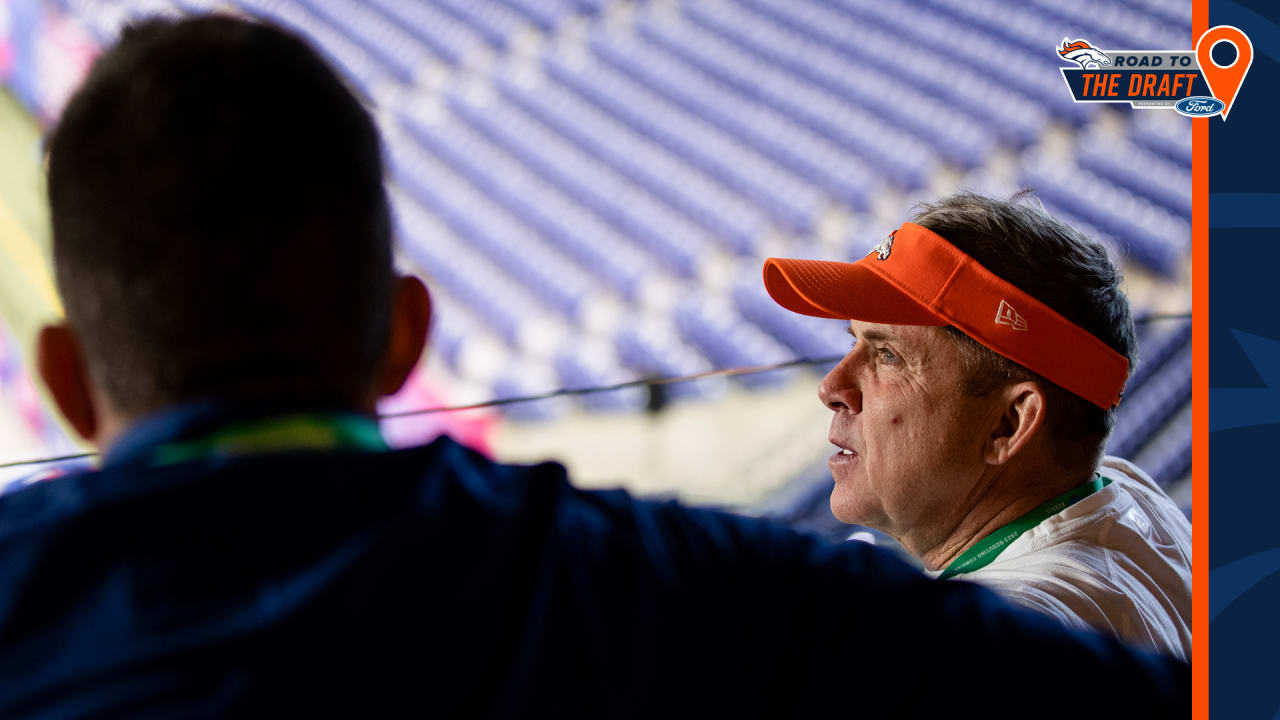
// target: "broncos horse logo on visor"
[[884, 247]]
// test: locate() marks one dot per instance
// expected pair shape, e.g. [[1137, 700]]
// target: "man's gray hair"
[[1022, 243]]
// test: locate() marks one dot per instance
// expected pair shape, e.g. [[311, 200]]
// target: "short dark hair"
[[220, 225], [1056, 264]]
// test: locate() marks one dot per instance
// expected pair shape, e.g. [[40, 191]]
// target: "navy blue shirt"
[[432, 580]]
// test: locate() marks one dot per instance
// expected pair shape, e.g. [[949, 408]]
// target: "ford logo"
[[1199, 106]]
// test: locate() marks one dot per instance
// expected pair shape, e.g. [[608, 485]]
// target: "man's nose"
[[839, 389]]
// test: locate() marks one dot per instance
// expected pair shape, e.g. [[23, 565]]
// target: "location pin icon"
[[1224, 80]]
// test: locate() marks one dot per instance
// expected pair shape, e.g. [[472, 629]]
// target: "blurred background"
[[589, 188]]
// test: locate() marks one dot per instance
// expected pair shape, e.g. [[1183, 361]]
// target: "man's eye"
[[887, 355]]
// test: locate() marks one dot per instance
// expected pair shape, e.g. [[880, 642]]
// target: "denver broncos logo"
[[885, 247], [1082, 52]]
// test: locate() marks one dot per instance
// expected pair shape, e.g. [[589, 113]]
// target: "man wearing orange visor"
[[992, 346]]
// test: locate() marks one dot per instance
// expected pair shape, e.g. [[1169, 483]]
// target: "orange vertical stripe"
[[1200, 394]]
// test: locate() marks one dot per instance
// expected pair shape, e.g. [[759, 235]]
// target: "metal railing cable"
[[571, 392]]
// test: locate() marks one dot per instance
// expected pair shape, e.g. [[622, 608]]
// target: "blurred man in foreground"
[[250, 546], [992, 345]]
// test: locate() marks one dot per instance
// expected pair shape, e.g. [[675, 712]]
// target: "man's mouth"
[[844, 455]]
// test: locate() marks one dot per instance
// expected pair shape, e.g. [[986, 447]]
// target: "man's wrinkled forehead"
[[880, 332]]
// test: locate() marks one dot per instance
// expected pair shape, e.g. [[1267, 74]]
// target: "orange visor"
[[915, 277]]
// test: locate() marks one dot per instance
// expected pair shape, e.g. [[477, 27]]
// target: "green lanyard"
[[304, 431], [988, 548]]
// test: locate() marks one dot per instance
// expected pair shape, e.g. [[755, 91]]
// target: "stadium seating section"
[[591, 185]]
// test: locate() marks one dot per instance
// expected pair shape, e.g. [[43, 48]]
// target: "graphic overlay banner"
[[1187, 81], [1238, 354]]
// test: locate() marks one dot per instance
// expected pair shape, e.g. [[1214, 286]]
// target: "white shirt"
[[1119, 560]]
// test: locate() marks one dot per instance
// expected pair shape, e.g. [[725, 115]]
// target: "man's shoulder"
[[1149, 513], [1130, 518], [442, 489], [1130, 514], [1118, 560], [1128, 527], [1134, 479]]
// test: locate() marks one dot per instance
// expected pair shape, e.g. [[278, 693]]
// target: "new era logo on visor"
[[1006, 315]]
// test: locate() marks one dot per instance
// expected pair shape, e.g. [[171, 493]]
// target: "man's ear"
[[63, 368], [1021, 418], [410, 321]]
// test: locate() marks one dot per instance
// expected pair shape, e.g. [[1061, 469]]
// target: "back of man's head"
[[1056, 264], [220, 228]]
